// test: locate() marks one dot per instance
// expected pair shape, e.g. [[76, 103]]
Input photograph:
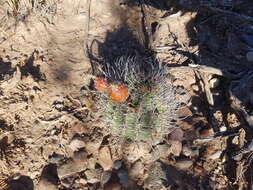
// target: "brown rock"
[[186, 124], [93, 176], [80, 128], [76, 144], [113, 186], [160, 151], [137, 170], [105, 158], [206, 132], [195, 87], [81, 181], [46, 185], [72, 166], [176, 135], [215, 155], [176, 148], [184, 112], [184, 164]]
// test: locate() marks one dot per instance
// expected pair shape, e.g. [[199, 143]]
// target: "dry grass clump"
[[22, 8], [14, 11], [150, 110]]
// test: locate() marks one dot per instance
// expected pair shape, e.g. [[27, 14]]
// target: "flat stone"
[[161, 151], [55, 158], [105, 159], [137, 170], [186, 151], [76, 144], [72, 166], [46, 185], [66, 182], [106, 175], [206, 132], [195, 87], [176, 135], [81, 181], [184, 164], [215, 155], [93, 176], [176, 148]]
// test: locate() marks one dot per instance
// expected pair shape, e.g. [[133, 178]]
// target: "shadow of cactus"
[[150, 112]]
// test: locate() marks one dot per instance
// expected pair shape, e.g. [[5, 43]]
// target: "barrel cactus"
[[138, 99]]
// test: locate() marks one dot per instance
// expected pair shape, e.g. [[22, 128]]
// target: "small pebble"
[[44, 184], [72, 166], [215, 156], [250, 56], [224, 159], [106, 175], [76, 144], [93, 176], [195, 152], [216, 171], [206, 132], [66, 182], [186, 151], [184, 164], [117, 164], [29, 140], [91, 163], [33, 175], [176, 148], [123, 177], [59, 106], [161, 151], [81, 181], [195, 87], [53, 132], [235, 140], [137, 170], [55, 158], [84, 91], [223, 128]]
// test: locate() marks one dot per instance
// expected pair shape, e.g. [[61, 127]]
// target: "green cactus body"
[[150, 107]]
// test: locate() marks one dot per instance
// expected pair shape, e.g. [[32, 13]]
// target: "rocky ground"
[[52, 135]]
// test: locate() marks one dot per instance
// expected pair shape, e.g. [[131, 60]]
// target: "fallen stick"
[[228, 133]]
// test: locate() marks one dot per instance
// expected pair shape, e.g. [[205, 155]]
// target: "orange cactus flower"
[[118, 92], [101, 84]]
